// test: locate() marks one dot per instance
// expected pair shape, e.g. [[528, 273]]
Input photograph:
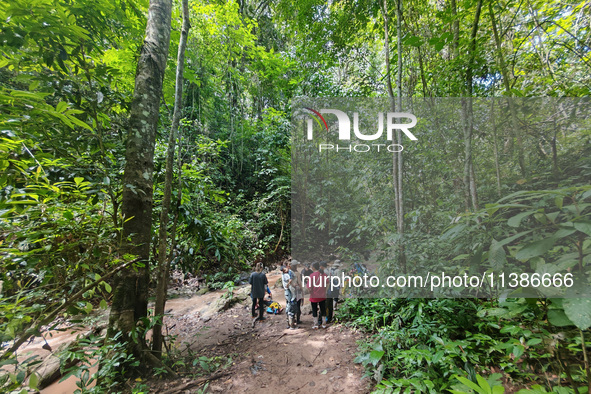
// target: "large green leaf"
[[558, 318], [375, 356], [584, 227], [578, 310], [515, 221], [496, 255], [536, 248]]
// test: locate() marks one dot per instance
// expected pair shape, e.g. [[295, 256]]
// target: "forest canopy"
[[505, 184]]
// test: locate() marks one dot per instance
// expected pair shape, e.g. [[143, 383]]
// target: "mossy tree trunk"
[[163, 264], [130, 298]]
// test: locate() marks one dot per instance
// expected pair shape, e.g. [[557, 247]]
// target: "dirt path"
[[268, 358]]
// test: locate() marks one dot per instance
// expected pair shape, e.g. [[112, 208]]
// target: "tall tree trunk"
[[455, 27], [163, 271], [397, 158], [496, 146], [502, 65], [470, 192], [400, 213], [179, 199], [130, 298]]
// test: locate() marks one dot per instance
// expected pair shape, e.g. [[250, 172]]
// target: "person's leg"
[[329, 310], [261, 309], [322, 305], [254, 305], [299, 311], [314, 313]]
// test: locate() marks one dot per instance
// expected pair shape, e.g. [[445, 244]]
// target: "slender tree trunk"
[[496, 147], [162, 284], [130, 298], [467, 131], [555, 170], [455, 27], [397, 158], [470, 192], [179, 199], [400, 213], [502, 65], [392, 103]]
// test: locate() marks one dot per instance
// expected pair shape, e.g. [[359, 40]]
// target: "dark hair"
[[316, 266], [323, 263]]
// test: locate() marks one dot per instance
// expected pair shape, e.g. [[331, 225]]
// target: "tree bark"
[[397, 158], [470, 192], [502, 65], [163, 271], [455, 27], [496, 147], [130, 299]]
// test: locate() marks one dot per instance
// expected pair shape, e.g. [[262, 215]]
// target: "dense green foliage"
[[66, 83]]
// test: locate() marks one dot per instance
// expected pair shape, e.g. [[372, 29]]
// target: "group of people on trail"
[[316, 278]]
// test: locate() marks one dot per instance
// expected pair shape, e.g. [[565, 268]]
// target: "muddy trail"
[[237, 357], [268, 358]]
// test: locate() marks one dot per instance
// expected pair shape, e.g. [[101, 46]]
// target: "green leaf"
[[514, 237], [33, 381], [78, 180], [78, 122], [471, 384], [496, 255], [413, 41], [563, 232], [578, 310], [483, 383], [536, 248], [8, 362], [103, 304], [498, 390], [375, 356], [518, 351], [584, 227], [61, 106], [515, 221], [493, 312]]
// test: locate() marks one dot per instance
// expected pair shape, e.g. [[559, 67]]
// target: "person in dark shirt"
[[307, 271], [258, 281]]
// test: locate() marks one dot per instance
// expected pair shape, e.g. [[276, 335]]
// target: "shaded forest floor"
[[268, 358], [223, 352]]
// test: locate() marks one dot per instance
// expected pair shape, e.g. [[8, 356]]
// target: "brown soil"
[[268, 358]]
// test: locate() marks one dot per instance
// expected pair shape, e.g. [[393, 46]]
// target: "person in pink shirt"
[[316, 282]]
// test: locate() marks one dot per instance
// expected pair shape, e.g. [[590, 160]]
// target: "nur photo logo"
[[393, 121]]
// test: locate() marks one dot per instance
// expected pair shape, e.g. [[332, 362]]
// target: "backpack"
[[274, 308], [333, 291]]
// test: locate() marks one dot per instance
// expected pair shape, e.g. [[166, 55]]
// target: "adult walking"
[[297, 291], [258, 282], [316, 282], [333, 291]]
